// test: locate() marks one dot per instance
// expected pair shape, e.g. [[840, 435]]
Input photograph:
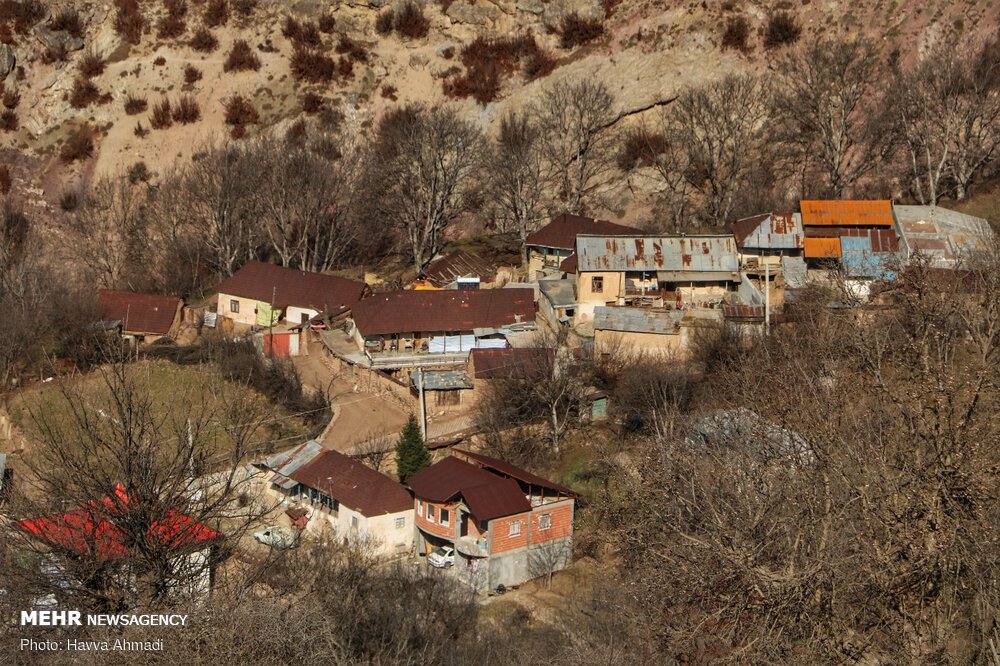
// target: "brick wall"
[[446, 531], [561, 522], [500, 531]]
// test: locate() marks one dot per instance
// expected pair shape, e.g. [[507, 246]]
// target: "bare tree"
[[830, 103], [575, 121], [418, 175], [514, 175], [375, 450]]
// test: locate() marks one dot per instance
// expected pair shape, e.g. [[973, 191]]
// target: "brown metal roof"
[[458, 264], [877, 213], [487, 495], [283, 287], [515, 472], [353, 484], [510, 362], [569, 264], [415, 311], [562, 231], [502, 497], [139, 313], [883, 240]]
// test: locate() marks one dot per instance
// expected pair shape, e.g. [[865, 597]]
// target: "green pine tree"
[[411, 451]]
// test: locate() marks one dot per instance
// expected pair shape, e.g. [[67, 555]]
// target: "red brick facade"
[[560, 526], [435, 527], [502, 538]]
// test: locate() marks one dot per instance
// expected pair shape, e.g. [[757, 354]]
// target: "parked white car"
[[278, 537], [441, 557]]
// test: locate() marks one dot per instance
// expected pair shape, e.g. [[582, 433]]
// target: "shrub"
[[312, 103], [448, 52], [489, 61], [191, 74], [353, 48], [576, 30], [160, 61], [240, 112], [84, 93], [296, 132], [5, 180], [187, 110], [539, 63], [305, 33], [79, 146], [134, 105], [241, 58], [736, 34], [171, 26], [204, 41], [244, 8], [312, 66], [609, 7], [91, 65], [410, 21], [129, 21], [345, 67], [640, 149], [161, 117], [67, 20], [327, 23], [175, 7], [58, 54], [69, 201], [139, 130], [11, 98], [9, 121], [216, 13], [139, 173], [25, 14], [384, 22], [781, 29], [389, 92]]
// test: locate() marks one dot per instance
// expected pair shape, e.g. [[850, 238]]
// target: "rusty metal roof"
[[715, 253], [637, 320], [843, 212], [775, 231], [458, 264], [946, 236]]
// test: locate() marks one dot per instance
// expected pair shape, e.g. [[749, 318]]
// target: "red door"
[[276, 345]]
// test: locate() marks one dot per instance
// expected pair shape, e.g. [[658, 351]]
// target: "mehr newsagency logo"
[[74, 618]]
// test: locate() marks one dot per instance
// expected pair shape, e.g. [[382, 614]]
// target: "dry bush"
[[345, 68], [489, 61], [11, 98], [737, 33], [216, 13], [175, 7], [384, 22], [304, 33], [79, 146], [297, 132], [539, 63], [389, 92], [191, 74], [139, 130], [171, 26], [312, 66], [609, 7], [203, 41], [129, 21], [24, 14], [91, 65], [139, 173], [241, 58], [161, 118], [186, 111], [574, 30], [69, 201], [58, 54], [9, 121], [312, 103], [353, 48], [327, 23], [68, 20], [782, 29], [240, 112], [243, 8], [134, 105], [410, 21], [5, 180], [159, 61], [640, 149], [83, 94]]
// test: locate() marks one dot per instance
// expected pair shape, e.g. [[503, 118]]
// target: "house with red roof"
[[144, 317], [342, 495], [504, 524], [549, 247]]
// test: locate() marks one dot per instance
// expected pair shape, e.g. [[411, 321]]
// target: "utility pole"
[[423, 404], [767, 298], [270, 321]]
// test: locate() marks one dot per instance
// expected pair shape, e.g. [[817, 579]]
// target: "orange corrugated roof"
[[847, 213], [822, 248]]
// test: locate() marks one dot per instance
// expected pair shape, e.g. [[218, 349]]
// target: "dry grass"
[[129, 21], [241, 58], [161, 117], [79, 146], [312, 66], [191, 74], [91, 65], [203, 41], [216, 13], [186, 110], [134, 105], [5, 180], [240, 113], [574, 30], [68, 20], [9, 121], [312, 103], [489, 61], [83, 94], [411, 22]]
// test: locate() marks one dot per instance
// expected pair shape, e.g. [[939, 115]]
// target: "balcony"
[[472, 547]]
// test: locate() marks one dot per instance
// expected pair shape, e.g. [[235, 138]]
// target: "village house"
[[639, 329], [765, 239], [683, 272], [142, 318], [947, 238], [556, 241], [456, 270], [827, 223], [506, 525], [343, 496], [93, 531], [284, 301], [413, 328]]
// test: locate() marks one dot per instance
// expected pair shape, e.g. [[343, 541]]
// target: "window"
[[234, 305], [430, 513], [445, 516], [420, 508], [354, 522], [400, 523], [597, 284], [515, 528], [545, 521]]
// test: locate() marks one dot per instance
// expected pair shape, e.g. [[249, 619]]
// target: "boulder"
[[7, 60], [480, 13], [55, 40], [106, 40], [531, 6]]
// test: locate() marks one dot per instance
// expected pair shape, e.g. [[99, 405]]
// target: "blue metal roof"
[[860, 261]]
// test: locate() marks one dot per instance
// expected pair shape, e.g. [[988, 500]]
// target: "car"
[[277, 537], [441, 557]]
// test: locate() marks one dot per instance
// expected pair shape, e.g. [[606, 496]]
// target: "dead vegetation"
[[489, 62], [241, 58], [186, 110], [203, 41], [575, 30], [129, 20], [83, 94], [134, 105], [312, 66], [79, 146], [240, 113], [161, 116]]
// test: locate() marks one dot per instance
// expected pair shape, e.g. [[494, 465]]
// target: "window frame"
[[514, 528], [430, 512], [234, 305], [544, 522], [597, 284], [444, 517], [400, 522]]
